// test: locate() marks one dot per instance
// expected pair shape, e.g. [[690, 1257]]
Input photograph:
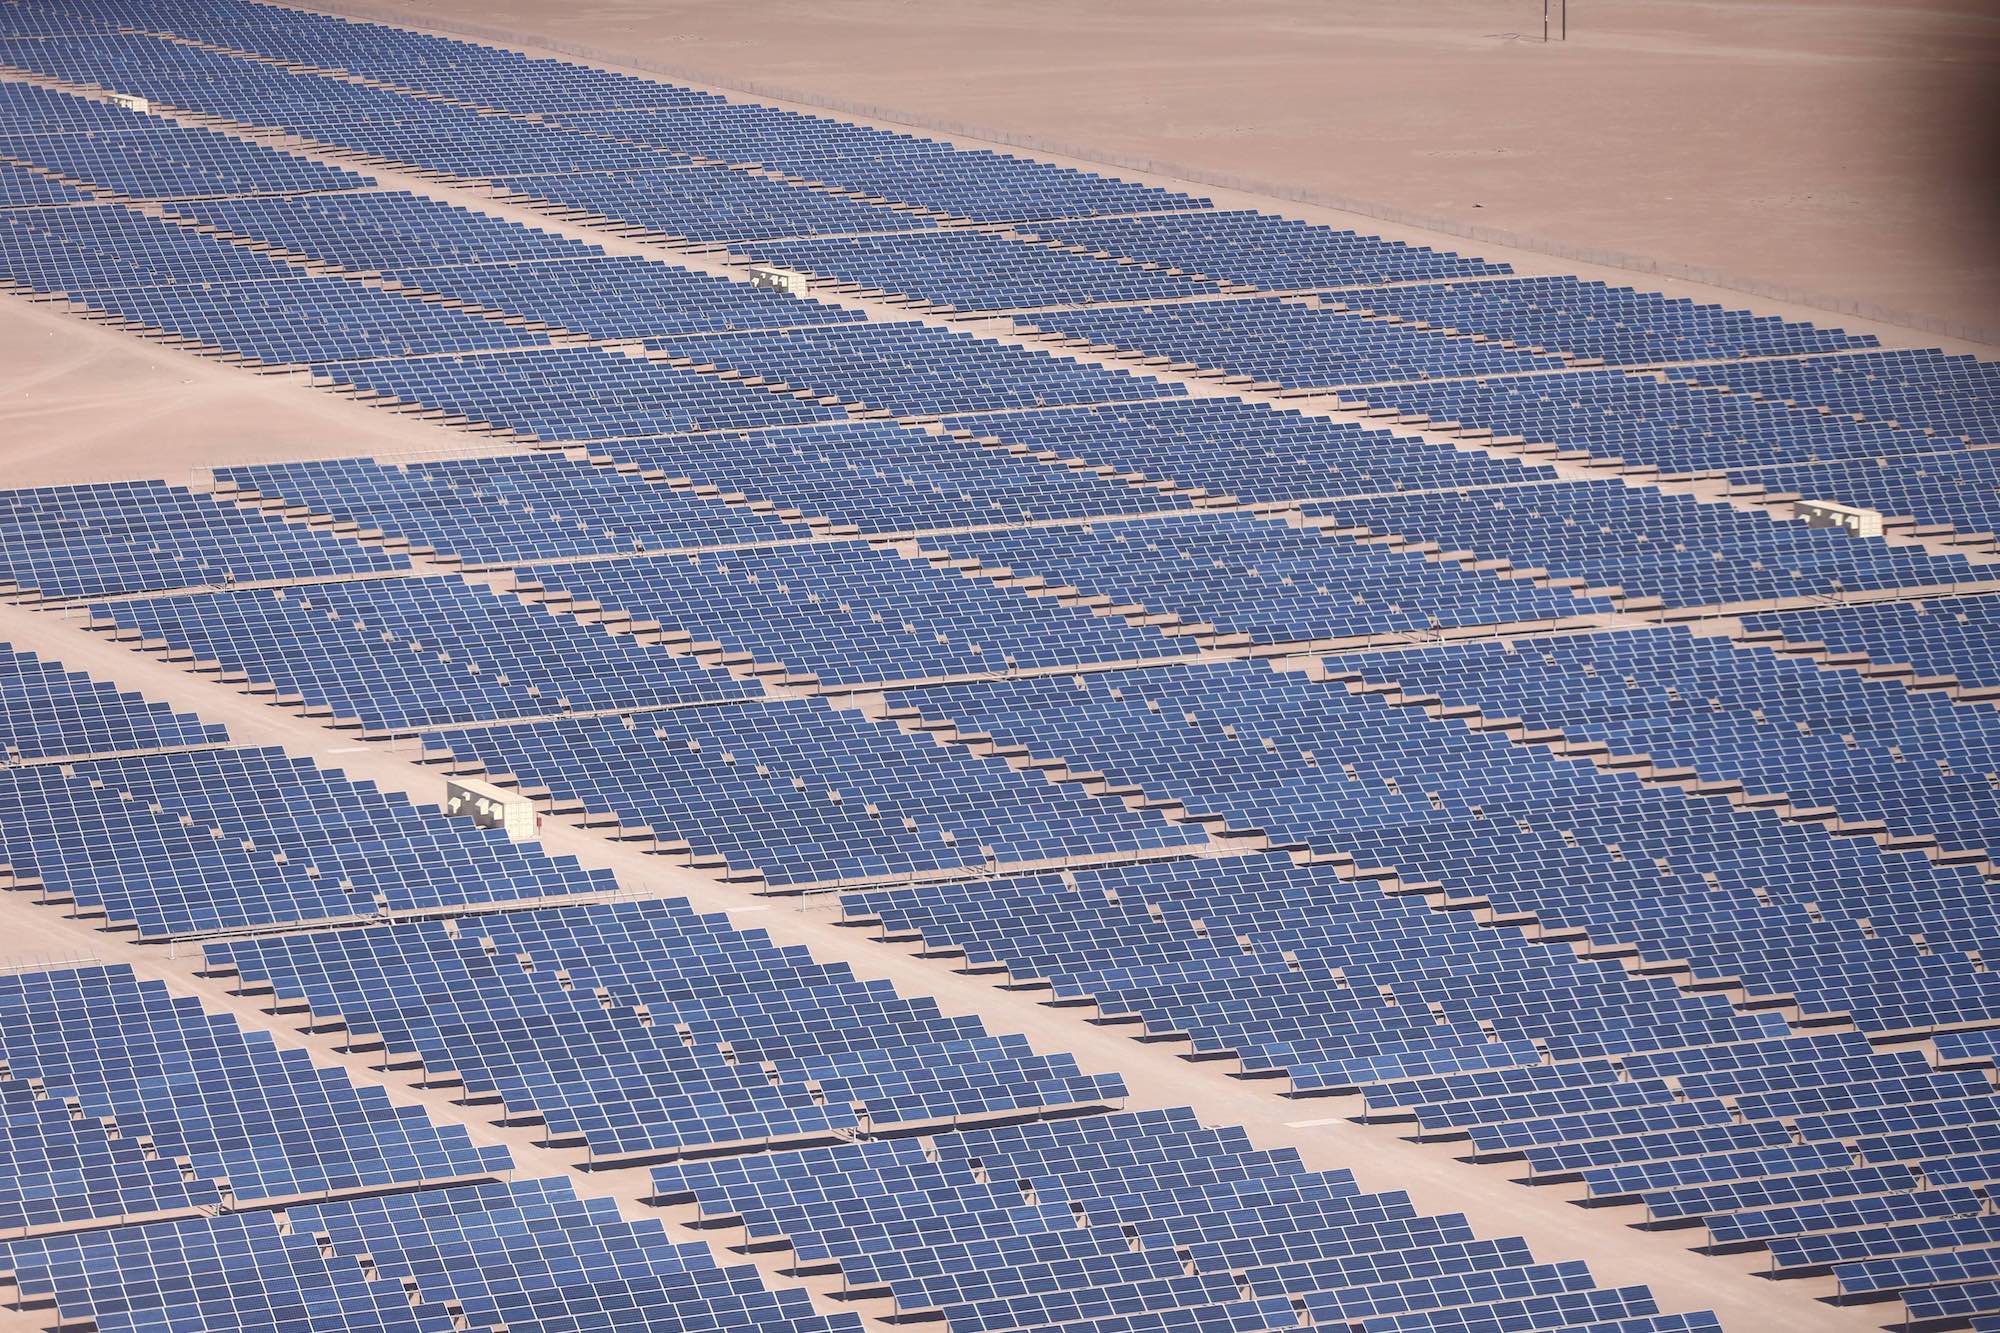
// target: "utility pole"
[[1545, 22]]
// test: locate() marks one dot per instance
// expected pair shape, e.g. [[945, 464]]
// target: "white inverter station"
[[1849, 518], [491, 807], [773, 278]]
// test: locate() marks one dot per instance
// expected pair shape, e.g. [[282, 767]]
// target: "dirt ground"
[[1843, 147], [86, 402]]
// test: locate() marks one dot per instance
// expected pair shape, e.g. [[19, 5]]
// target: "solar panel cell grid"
[[1221, 447], [658, 1074], [836, 797], [50, 713], [120, 537], [1284, 342], [879, 478], [485, 512], [1639, 424], [229, 1102], [398, 655], [847, 614], [1956, 396], [222, 839], [1252, 578]]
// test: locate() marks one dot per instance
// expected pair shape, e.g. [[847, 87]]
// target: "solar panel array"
[[1302, 745], [226, 838], [140, 536], [526, 1254], [427, 651], [52, 713], [1946, 645]]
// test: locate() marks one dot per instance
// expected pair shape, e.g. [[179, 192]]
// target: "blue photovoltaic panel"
[[498, 511], [1959, 638], [1589, 319], [399, 655], [793, 792], [222, 839], [1957, 397], [50, 712], [138, 536], [846, 614], [232, 1104]]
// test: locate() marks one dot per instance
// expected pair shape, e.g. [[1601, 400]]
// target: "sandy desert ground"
[[1844, 147], [85, 402]]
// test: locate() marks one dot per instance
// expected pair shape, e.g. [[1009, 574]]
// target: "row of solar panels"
[[1565, 548], [520, 1254], [1058, 1223], [123, 1099], [1885, 431], [461, 136], [1844, 924], [680, 493], [1194, 255], [50, 713]]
